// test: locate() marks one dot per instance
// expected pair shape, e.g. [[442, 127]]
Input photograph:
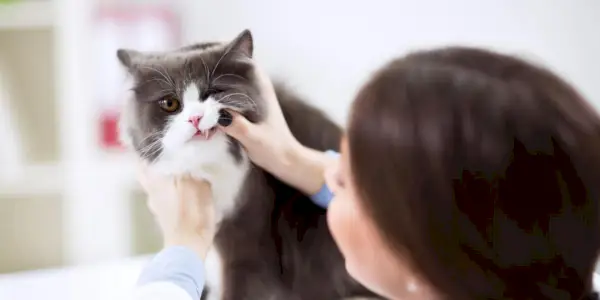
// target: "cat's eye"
[[169, 104]]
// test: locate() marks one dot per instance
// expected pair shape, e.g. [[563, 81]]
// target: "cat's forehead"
[[203, 62], [206, 53], [196, 60], [207, 46]]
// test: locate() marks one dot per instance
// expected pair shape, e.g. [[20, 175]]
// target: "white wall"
[[328, 48]]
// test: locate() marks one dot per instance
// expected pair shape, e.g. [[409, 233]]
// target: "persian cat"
[[272, 241]]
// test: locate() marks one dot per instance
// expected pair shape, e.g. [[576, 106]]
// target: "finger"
[[195, 188], [196, 184], [240, 128]]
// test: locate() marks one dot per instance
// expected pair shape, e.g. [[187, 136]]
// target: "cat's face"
[[178, 96]]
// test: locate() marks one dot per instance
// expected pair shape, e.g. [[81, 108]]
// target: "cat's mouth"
[[205, 135]]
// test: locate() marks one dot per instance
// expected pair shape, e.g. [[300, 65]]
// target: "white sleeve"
[[161, 291]]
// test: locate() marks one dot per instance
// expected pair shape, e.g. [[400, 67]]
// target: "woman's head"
[[473, 171]]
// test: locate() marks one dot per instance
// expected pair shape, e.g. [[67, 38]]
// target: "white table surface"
[[114, 281]]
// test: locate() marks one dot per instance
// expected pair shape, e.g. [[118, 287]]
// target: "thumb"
[[236, 125]]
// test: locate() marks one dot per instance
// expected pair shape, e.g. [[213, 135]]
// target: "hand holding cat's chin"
[[182, 206]]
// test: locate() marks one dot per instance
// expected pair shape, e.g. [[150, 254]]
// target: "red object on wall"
[[144, 27], [109, 130]]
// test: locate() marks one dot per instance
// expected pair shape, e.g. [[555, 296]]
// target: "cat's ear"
[[129, 58], [243, 44]]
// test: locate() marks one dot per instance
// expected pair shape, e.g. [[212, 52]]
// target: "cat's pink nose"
[[195, 120]]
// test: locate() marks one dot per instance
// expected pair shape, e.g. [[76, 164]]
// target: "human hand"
[[272, 146], [269, 143], [182, 207]]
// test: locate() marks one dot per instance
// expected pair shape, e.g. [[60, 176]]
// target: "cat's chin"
[[200, 156]]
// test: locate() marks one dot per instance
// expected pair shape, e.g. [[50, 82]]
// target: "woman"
[[470, 175]]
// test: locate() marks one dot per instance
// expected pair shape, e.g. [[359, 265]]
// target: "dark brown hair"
[[485, 170]]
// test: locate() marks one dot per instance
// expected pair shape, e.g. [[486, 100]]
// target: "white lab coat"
[[161, 291]]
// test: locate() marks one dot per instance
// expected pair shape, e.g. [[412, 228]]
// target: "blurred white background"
[[69, 201]]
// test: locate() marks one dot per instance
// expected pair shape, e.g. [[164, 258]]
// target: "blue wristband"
[[324, 195]]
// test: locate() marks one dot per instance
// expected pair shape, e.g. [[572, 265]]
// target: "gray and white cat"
[[272, 242]]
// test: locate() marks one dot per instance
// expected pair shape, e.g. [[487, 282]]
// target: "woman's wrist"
[[198, 238], [303, 168], [198, 244]]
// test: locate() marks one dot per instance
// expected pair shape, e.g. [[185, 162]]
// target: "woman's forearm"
[[304, 168]]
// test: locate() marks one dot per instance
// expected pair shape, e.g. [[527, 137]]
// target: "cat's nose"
[[195, 120]]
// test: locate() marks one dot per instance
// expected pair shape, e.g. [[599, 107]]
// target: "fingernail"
[[225, 118]]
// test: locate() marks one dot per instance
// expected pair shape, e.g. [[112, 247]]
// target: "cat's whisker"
[[206, 70], [153, 134], [249, 98], [155, 79], [145, 147], [167, 90], [254, 106], [151, 152], [189, 70], [167, 79], [218, 62], [155, 151], [150, 148], [238, 102], [232, 75]]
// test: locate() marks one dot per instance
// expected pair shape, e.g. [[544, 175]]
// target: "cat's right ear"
[[243, 44], [129, 58]]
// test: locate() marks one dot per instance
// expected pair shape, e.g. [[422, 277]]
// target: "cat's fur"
[[272, 242]]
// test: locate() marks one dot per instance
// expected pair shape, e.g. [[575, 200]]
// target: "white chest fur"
[[213, 162]]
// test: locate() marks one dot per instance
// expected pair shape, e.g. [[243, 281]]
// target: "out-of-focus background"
[[71, 213]]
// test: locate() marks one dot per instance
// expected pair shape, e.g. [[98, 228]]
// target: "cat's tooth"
[[206, 134]]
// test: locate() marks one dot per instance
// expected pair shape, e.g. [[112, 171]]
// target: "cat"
[[272, 241]]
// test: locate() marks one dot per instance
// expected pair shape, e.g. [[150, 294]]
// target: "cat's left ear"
[[130, 59], [242, 44]]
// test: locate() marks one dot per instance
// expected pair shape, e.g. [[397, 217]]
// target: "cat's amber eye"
[[169, 104]]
